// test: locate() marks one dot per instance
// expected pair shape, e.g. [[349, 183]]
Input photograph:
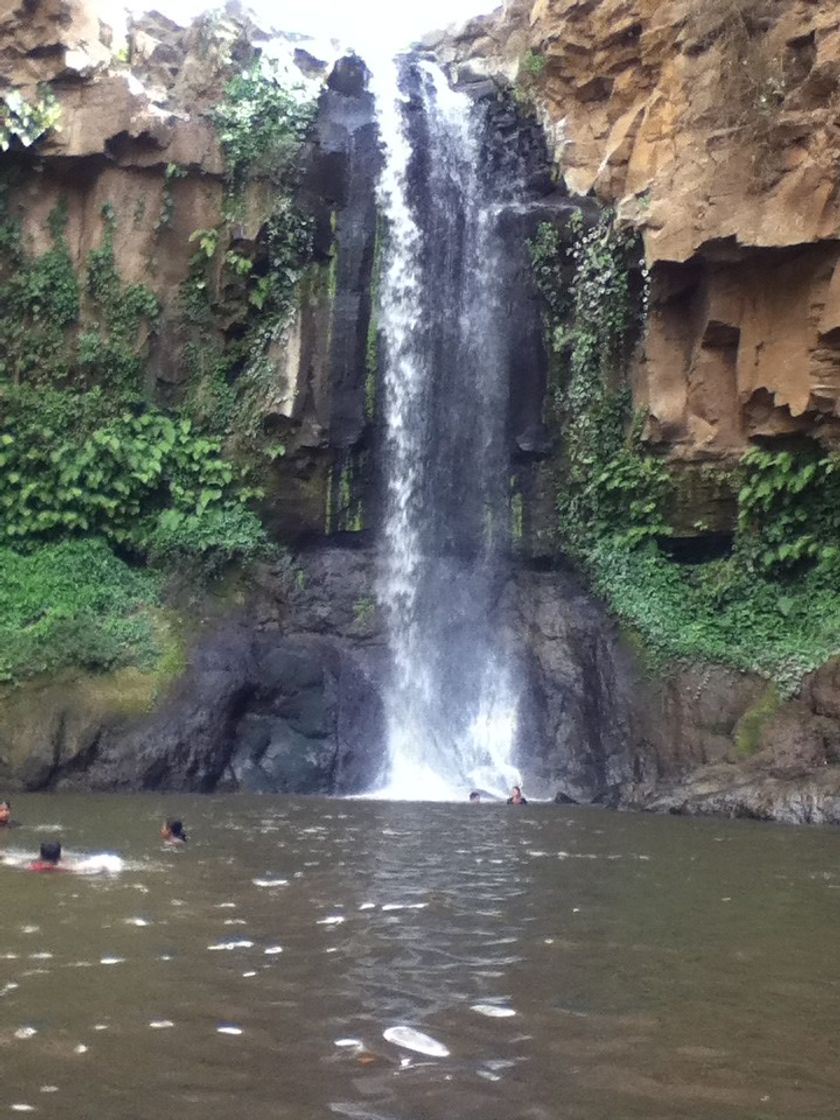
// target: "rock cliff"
[[712, 127], [135, 141]]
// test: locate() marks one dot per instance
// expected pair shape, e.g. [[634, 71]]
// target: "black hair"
[[50, 851], [475, 795], [176, 827]]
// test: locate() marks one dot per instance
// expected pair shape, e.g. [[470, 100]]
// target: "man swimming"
[[49, 859], [173, 832], [5, 814]]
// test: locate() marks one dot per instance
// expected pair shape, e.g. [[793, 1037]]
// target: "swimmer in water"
[[475, 795], [173, 832], [49, 859], [516, 797], [5, 814]]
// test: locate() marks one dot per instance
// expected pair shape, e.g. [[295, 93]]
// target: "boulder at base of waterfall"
[[255, 711], [561, 798]]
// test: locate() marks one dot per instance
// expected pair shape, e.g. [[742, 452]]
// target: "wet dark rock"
[[576, 713], [283, 697], [349, 76], [744, 792], [256, 711], [479, 88], [286, 696]]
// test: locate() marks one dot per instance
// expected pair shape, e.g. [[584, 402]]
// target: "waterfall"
[[451, 699]]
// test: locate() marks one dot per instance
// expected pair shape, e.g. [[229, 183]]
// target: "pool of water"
[[564, 963]]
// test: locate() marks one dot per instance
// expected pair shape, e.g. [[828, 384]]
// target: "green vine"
[[172, 173], [611, 484], [262, 126], [41, 302]]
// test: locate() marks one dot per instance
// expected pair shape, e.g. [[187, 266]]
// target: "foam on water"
[[410, 1039], [94, 864]]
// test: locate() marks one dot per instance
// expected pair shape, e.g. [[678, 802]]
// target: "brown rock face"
[[135, 139], [713, 126], [115, 139], [45, 39]]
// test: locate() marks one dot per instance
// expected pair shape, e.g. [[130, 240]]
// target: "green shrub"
[[116, 478], [73, 603], [789, 509], [208, 542], [261, 124], [718, 612]]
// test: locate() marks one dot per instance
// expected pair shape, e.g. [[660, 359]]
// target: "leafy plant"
[[789, 509], [242, 266], [533, 63], [24, 122], [261, 124], [208, 241], [173, 172], [531, 67], [611, 483], [208, 541], [73, 603], [128, 479]]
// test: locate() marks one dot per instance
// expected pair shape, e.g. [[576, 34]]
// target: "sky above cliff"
[[365, 23]]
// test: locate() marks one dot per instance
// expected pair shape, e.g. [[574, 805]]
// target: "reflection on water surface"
[[305, 958]]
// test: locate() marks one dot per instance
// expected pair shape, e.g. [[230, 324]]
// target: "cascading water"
[[451, 701]]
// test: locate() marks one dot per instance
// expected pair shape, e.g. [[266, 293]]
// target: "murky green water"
[[655, 967]]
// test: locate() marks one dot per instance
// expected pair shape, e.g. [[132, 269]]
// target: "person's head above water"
[[50, 857], [516, 796], [5, 812], [173, 829], [475, 795], [50, 851]]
